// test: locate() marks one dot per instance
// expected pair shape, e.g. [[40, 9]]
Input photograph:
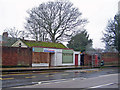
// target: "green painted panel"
[[67, 51], [35, 49], [67, 58]]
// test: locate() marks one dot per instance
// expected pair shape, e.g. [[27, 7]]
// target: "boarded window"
[[40, 57]]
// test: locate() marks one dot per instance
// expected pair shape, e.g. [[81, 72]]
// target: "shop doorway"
[[51, 59], [82, 60]]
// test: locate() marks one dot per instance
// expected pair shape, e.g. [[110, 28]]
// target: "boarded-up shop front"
[[43, 56], [67, 57], [40, 58]]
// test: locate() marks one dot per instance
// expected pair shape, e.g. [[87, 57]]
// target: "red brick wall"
[[14, 56], [87, 59], [110, 58]]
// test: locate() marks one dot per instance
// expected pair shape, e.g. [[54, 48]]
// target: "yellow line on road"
[[42, 73], [0, 78], [89, 71], [31, 77], [6, 78], [49, 76], [65, 74], [17, 74], [28, 77], [55, 72], [3, 75], [23, 74]]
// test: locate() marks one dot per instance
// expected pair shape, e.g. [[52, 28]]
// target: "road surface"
[[104, 81], [63, 78]]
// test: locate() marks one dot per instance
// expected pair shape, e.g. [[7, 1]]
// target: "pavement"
[[20, 69]]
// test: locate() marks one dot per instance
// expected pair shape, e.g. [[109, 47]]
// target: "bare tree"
[[15, 33], [58, 20], [36, 32]]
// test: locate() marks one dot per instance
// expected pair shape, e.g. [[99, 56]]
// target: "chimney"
[[5, 34], [23, 38]]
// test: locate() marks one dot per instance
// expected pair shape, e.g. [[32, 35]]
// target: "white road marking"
[[59, 81], [66, 80], [49, 82], [39, 82], [108, 75], [101, 85], [103, 76]]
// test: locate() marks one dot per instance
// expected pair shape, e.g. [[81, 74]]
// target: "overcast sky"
[[98, 12]]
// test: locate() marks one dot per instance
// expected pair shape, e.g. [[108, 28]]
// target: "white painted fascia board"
[[18, 42], [75, 52]]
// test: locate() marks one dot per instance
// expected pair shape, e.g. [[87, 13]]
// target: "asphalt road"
[[104, 81], [48, 77]]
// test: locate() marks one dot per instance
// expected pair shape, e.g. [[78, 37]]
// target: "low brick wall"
[[16, 56], [110, 58], [87, 59]]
